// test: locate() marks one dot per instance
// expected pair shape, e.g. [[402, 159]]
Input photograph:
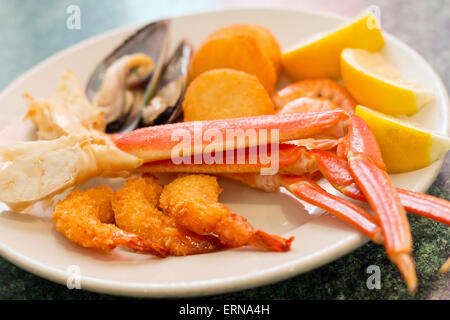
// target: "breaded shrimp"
[[86, 217], [135, 209], [192, 200]]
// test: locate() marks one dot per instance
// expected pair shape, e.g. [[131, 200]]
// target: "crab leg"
[[289, 158], [311, 192], [336, 171], [425, 205], [157, 143], [367, 169]]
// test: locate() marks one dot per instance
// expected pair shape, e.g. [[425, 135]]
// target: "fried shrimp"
[[86, 217], [192, 201], [135, 209]]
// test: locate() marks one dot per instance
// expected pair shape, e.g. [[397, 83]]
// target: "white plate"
[[33, 244]]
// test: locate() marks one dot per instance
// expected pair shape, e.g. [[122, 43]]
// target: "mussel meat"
[[165, 106], [128, 76]]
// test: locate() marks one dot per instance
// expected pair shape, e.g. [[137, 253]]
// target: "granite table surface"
[[31, 31]]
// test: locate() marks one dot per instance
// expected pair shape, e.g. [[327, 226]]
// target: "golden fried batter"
[[192, 201], [135, 209], [101, 198], [85, 218]]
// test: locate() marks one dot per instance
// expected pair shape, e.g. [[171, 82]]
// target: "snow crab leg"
[[157, 143], [309, 191], [335, 170], [368, 170]]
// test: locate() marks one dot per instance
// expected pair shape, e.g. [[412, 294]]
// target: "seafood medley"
[[138, 99]]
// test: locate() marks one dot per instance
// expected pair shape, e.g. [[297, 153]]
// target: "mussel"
[[128, 77], [165, 106]]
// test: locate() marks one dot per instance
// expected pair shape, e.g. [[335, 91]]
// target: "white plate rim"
[[208, 287]]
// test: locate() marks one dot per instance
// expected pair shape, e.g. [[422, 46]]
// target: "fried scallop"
[[224, 94], [234, 51], [263, 36]]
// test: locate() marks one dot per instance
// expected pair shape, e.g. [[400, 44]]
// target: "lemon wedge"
[[404, 147], [319, 56], [375, 83]]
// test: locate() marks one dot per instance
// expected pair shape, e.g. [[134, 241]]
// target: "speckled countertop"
[[32, 30]]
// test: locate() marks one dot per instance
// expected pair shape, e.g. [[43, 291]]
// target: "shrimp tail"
[[271, 242], [138, 244]]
